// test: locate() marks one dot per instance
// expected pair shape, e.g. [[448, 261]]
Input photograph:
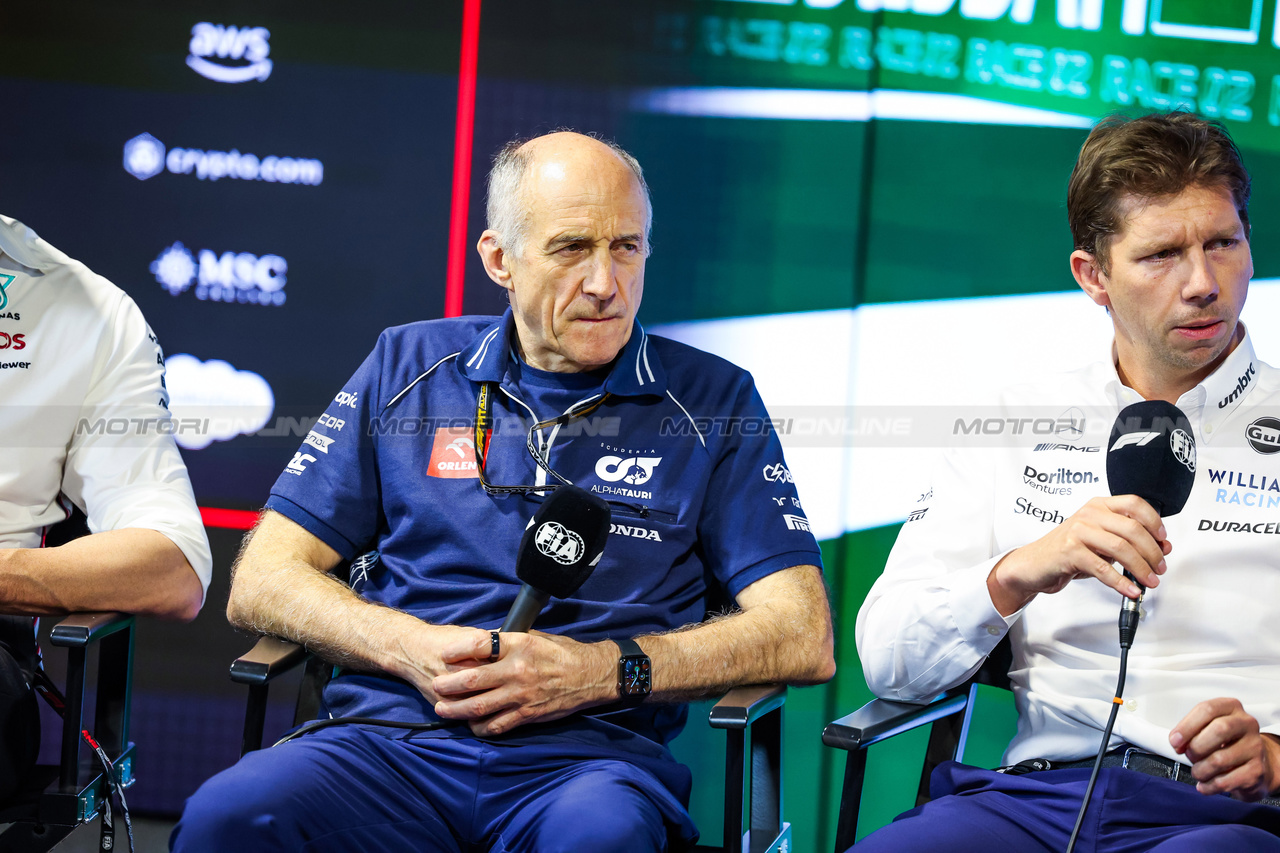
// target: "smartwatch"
[[635, 681]]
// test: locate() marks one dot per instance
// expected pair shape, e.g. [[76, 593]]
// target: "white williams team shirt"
[[1208, 629], [83, 409]]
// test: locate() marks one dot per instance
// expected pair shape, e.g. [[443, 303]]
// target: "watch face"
[[635, 677]]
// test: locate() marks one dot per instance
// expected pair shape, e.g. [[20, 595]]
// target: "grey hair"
[[510, 218]]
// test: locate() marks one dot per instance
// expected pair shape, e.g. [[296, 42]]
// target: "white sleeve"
[[928, 622], [123, 467]]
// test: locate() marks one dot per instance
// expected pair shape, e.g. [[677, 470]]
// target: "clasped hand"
[[1229, 754], [537, 677]]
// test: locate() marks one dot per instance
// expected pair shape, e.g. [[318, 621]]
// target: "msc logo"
[[232, 277], [559, 543], [144, 156], [634, 470], [298, 463], [777, 474], [213, 44]]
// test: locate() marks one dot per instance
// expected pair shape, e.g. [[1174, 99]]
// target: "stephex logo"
[[230, 54], [635, 470], [5, 281], [1264, 435], [1241, 384], [559, 543], [1184, 449]]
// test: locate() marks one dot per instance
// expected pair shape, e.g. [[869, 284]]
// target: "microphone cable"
[[316, 725], [1129, 614]]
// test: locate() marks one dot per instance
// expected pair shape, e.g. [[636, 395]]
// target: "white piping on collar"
[[478, 358], [697, 431], [421, 376]]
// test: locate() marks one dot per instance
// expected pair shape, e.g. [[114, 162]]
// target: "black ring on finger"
[[494, 646]]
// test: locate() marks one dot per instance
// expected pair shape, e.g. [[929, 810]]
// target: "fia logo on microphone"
[[559, 543], [1184, 449]]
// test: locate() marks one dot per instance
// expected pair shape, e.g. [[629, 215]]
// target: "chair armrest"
[[880, 719], [742, 706], [80, 629], [269, 657]]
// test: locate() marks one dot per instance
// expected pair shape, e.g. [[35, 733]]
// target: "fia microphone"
[[560, 548], [1151, 454]]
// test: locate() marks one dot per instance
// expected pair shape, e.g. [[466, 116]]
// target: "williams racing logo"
[[453, 455]]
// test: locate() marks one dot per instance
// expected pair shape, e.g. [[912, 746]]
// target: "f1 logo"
[[1133, 439]]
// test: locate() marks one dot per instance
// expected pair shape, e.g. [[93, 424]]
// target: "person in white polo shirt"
[[1020, 539], [83, 421]]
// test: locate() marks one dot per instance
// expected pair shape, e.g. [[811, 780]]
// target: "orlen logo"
[[231, 277], [634, 470], [8, 341], [230, 55], [453, 455]]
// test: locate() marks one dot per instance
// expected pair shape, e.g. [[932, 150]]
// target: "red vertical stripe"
[[462, 142], [235, 519]]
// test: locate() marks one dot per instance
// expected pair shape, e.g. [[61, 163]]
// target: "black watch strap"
[[634, 673]]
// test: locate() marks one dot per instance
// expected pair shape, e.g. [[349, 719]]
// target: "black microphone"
[[1152, 454], [560, 548]]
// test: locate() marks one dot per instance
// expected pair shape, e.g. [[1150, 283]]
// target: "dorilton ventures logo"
[[229, 54], [145, 157], [1057, 482], [231, 277]]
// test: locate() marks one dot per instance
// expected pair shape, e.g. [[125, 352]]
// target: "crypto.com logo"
[[216, 52], [144, 156]]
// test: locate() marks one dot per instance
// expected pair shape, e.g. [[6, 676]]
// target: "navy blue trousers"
[[346, 789], [983, 811]]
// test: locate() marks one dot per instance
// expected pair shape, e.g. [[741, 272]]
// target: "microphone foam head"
[[1152, 454], [564, 541]]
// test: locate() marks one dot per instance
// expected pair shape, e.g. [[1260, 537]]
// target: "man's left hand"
[[537, 677], [1228, 752]]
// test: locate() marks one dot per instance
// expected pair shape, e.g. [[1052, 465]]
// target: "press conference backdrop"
[[862, 201]]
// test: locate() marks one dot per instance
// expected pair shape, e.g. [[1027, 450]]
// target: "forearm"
[[282, 589], [785, 637], [133, 570]]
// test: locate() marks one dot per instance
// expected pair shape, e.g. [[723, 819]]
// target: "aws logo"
[[453, 455], [633, 470]]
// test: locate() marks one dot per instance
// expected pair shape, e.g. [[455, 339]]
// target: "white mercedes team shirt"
[[1209, 629], [83, 409]]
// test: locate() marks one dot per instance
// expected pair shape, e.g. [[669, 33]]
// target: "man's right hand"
[[1121, 529]]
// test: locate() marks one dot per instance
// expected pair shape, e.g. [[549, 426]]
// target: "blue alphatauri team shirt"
[[681, 446]]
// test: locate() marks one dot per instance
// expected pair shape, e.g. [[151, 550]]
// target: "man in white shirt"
[[84, 421], [1021, 539]]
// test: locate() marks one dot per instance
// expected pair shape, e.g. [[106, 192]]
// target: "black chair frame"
[[55, 800], [751, 717]]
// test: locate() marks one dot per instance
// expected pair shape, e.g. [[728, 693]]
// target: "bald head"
[[525, 170]]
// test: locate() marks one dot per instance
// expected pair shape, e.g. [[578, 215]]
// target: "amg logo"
[[1049, 446], [634, 532]]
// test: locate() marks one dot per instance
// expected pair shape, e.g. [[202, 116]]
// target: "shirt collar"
[[637, 372], [1214, 399]]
